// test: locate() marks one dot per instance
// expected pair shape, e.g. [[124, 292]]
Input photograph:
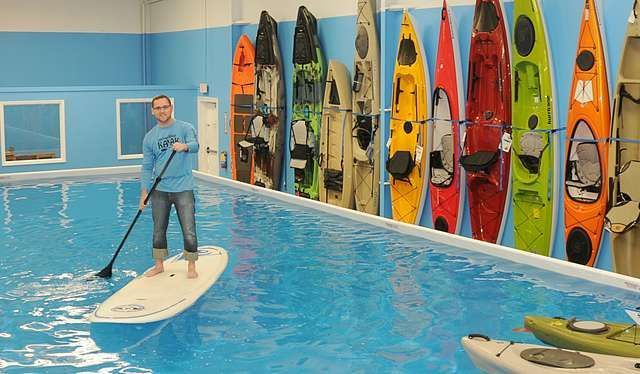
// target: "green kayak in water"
[[609, 338], [534, 142], [308, 88]]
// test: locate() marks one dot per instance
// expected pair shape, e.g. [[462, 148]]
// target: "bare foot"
[[191, 270], [192, 274], [155, 271]]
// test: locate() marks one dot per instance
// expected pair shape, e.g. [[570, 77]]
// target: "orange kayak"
[[588, 126], [242, 88]]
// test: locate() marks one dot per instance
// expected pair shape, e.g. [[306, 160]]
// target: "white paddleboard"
[[150, 299]]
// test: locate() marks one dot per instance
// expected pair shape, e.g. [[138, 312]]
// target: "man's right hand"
[[143, 197]]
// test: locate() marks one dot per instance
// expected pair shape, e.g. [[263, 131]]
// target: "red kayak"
[[487, 147], [447, 177]]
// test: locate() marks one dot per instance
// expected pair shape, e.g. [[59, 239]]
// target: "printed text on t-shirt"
[[167, 141]]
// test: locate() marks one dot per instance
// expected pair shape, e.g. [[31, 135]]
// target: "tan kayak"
[[366, 111], [624, 156], [335, 184]]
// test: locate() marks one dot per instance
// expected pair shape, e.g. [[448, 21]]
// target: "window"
[[32, 132], [134, 121]]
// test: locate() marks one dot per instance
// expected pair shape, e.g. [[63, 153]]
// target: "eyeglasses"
[[164, 107]]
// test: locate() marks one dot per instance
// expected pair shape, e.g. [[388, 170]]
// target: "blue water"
[[303, 291]]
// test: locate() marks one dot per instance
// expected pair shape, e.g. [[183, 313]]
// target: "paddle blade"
[[521, 329], [106, 272]]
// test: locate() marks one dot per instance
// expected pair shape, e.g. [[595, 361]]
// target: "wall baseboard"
[[16, 177]]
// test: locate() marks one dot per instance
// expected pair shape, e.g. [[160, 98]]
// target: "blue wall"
[[90, 120], [193, 57], [39, 59]]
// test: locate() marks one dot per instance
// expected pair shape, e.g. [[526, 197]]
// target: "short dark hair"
[[159, 97]]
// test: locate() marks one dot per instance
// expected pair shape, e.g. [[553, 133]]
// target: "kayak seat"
[[400, 165], [532, 147], [479, 161], [584, 173], [364, 133], [333, 179], [441, 162], [302, 144], [626, 213], [588, 167], [257, 135]]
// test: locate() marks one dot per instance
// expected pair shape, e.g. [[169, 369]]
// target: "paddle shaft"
[[106, 272]]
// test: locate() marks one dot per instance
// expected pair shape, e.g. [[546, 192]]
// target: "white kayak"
[[499, 356], [150, 299]]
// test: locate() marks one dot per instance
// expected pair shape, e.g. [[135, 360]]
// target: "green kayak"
[[308, 88], [617, 339], [534, 141]]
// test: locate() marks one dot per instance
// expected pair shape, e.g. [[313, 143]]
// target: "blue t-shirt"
[[157, 147]]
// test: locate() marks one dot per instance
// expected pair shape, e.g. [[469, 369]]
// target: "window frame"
[[63, 135]]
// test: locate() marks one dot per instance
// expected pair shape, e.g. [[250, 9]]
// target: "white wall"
[[180, 15], [287, 10], [108, 16], [124, 16]]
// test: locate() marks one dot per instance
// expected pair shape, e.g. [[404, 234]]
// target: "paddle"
[[106, 272]]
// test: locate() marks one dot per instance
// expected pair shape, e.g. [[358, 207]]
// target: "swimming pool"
[[304, 290]]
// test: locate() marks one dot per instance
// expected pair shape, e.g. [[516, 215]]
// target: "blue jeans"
[[185, 207]]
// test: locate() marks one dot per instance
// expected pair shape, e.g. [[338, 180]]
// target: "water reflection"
[[119, 200], [65, 222], [7, 209]]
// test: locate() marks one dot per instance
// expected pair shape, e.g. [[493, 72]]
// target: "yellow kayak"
[[408, 162]]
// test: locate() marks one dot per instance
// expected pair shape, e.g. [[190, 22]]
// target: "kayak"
[[407, 164], [335, 184], [624, 156], [266, 135], [535, 141], [590, 336], [487, 151], [242, 87], [447, 176], [499, 356], [308, 87], [366, 111], [588, 127]]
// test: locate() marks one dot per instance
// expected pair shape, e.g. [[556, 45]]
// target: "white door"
[[208, 156]]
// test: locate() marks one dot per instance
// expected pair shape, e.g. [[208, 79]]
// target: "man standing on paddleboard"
[[176, 185]]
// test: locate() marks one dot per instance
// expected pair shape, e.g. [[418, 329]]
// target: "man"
[[176, 186]]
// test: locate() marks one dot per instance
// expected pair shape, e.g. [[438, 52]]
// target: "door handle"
[[209, 150]]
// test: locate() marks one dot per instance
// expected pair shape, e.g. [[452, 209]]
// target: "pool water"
[[303, 291]]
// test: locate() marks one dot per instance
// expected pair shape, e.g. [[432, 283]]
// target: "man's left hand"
[[180, 147]]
